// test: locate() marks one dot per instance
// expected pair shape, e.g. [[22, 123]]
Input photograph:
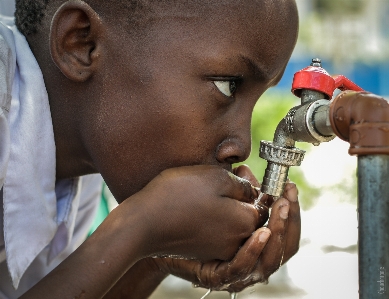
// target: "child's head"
[[136, 87]]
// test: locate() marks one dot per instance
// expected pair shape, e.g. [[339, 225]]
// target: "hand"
[[258, 258], [197, 212]]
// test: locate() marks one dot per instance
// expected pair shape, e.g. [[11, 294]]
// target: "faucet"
[[308, 122], [360, 118]]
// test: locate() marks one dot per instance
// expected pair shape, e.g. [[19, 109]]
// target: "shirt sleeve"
[[7, 71]]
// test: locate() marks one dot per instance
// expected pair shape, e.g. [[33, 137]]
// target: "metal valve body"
[[308, 122]]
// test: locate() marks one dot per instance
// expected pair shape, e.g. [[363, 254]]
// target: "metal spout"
[[308, 122]]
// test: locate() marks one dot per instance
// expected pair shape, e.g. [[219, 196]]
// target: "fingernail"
[[291, 193], [284, 211], [264, 236]]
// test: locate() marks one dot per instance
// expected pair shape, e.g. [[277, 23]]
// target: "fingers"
[[285, 225], [291, 192], [294, 222], [285, 222], [245, 192], [272, 255], [257, 259], [263, 214], [219, 275], [246, 258], [260, 256], [263, 253]]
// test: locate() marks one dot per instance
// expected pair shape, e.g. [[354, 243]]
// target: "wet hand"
[[260, 256], [198, 212], [263, 253]]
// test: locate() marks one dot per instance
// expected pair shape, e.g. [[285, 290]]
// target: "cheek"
[[138, 146], [185, 136], [183, 120]]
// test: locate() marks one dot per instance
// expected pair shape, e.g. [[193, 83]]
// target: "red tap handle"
[[313, 78], [316, 78], [342, 83]]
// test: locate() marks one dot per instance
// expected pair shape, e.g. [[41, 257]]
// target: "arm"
[[98, 263], [139, 282], [181, 212]]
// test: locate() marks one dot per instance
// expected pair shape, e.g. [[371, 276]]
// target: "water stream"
[[232, 295], [206, 294]]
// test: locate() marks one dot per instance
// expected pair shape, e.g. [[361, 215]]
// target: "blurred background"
[[352, 38]]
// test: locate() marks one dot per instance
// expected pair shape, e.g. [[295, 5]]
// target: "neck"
[[65, 100]]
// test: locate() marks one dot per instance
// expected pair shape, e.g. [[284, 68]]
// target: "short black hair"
[[29, 14]]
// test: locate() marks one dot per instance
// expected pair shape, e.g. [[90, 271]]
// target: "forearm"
[[139, 282], [94, 268]]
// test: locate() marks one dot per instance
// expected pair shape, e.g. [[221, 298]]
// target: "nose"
[[236, 146], [234, 149]]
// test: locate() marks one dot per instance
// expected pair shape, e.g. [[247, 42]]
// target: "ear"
[[74, 40]]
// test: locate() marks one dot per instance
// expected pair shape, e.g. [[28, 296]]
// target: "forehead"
[[261, 32]]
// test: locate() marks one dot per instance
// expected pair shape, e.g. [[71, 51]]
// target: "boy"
[[157, 97]]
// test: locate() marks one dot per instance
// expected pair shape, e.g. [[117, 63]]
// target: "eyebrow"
[[256, 69], [260, 72]]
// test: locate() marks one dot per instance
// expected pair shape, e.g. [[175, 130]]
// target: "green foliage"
[[339, 7], [268, 112]]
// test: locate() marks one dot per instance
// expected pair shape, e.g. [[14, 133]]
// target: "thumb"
[[245, 172], [243, 190], [240, 189]]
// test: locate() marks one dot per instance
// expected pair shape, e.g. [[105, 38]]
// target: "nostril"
[[233, 159], [233, 151]]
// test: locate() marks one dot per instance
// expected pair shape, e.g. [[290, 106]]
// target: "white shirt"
[[43, 221]]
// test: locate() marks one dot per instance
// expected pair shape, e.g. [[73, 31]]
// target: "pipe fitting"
[[310, 122], [362, 119], [279, 160]]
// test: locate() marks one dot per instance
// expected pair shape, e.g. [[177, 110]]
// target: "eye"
[[226, 87]]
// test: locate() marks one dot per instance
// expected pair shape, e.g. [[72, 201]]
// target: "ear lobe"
[[74, 33]]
